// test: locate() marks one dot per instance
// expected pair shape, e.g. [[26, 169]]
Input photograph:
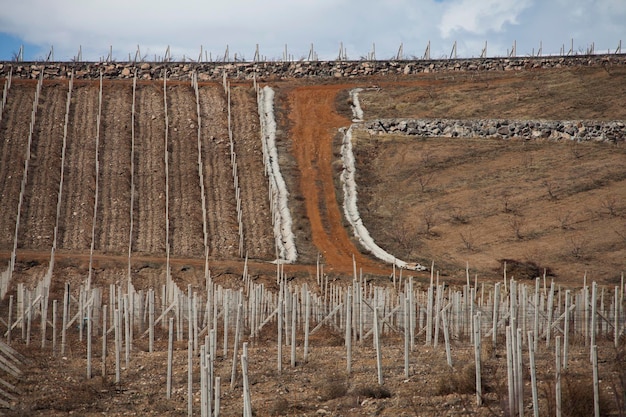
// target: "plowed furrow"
[[185, 202], [149, 226], [258, 233], [80, 167], [13, 142], [39, 217], [113, 223], [221, 204]]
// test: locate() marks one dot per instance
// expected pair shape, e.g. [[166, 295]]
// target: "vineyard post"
[[170, 348], [438, 297], [407, 335], [29, 315], [279, 317], [218, 395], [379, 364], [510, 370], [226, 318], [594, 294], [9, 320], [150, 320], [596, 387], [566, 330], [105, 331], [89, 329], [203, 382], [615, 319], [307, 318], [446, 336], [247, 403], [429, 314], [533, 373], [55, 304], [557, 342], [536, 323], [233, 373], [348, 334], [294, 315], [549, 313], [189, 378], [496, 308], [411, 312], [118, 343], [520, 374], [477, 347]]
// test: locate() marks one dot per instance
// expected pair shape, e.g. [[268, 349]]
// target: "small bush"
[[280, 407], [376, 391], [333, 387], [577, 397], [461, 381]]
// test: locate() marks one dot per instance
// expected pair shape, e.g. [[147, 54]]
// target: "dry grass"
[[486, 202]]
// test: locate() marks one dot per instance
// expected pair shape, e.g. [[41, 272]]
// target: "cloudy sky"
[[185, 25]]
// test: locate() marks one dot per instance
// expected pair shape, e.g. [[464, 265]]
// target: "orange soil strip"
[[314, 124]]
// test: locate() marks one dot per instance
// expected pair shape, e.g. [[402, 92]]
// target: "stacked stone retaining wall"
[[296, 69], [578, 130]]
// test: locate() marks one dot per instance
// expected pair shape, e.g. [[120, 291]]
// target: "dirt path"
[[258, 233], [185, 202], [218, 179], [149, 212], [80, 167], [314, 125], [14, 131], [113, 223]]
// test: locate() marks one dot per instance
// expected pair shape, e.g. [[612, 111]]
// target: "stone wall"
[[579, 130], [298, 69]]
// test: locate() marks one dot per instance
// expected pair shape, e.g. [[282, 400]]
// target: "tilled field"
[[14, 129], [80, 170], [114, 171]]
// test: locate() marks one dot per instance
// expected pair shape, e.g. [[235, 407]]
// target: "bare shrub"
[[551, 190], [610, 205], [577, 246], [372, 391], [507, 207], [467, 238], [516, 224], [332, 387], [577, 397], [524, 270], [565, 219], [424, 179], [280, 407], [429, 218], [459, 216], [461, 381]]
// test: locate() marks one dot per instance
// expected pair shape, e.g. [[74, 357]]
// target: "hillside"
[[152, 178]]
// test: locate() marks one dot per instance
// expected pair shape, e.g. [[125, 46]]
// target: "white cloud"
[[480, 16], [187, 24]]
